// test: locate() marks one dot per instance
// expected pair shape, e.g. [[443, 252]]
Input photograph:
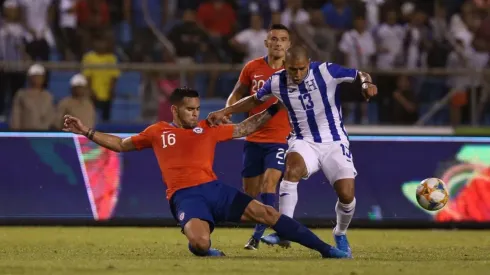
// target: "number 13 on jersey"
[[306, 101]]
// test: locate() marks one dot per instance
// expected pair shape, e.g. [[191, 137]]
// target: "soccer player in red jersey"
[[185, 153], [264, 150]]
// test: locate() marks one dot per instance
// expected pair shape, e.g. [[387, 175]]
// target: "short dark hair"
[[179, 94], [279, 27], [297, 51]]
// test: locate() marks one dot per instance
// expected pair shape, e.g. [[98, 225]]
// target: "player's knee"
[[346, 198], [294, 173], [199, 243], [345, 190]]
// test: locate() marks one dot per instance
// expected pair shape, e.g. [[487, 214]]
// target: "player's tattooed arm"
[[254, 122]]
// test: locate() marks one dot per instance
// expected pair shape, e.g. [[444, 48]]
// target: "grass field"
[[58, 250]]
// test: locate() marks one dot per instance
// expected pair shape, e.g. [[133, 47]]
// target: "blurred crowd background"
[[428, 57]]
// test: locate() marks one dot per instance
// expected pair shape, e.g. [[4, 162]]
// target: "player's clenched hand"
[[74, 125], [216, 118], [369, 90], [227, 119]]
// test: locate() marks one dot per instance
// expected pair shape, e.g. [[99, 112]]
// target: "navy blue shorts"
[[258, 157], [213, 202]]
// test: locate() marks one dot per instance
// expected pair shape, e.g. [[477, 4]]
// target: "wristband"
[[273, 109], [90, 133]]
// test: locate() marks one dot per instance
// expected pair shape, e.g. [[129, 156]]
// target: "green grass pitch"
[[85, 250]]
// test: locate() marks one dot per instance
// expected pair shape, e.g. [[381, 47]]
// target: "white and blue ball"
[[432, 194]]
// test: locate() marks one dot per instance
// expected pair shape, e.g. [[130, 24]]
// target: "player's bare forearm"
[[243, 105], [364, 77], [239, 92], [255, 122], [251, 124], [113, 143]]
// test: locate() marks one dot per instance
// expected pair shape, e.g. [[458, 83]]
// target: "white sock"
[[344, 216], [288, 197]]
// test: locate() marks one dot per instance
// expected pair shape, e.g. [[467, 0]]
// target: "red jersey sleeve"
[[245, 78], [143, 139], [224, 132]]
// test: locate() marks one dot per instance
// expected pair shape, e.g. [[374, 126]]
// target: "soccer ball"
[[432, 194]]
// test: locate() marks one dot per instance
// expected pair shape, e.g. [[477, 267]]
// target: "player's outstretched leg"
[[268, 197], [198, 233], [344, 208], [290, 229], [288, 193], [251, 186]]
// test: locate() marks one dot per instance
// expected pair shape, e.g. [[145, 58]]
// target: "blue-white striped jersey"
[[314, 104]]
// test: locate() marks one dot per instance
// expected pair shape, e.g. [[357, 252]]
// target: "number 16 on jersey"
[[168, 139]]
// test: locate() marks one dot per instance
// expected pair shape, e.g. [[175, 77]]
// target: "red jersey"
[[185, 156], [276, 130]]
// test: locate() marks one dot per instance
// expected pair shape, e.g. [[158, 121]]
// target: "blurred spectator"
[[484, 30], [93, 20], [276, 18], [166, 87], [372, 12], [38, 16], [294, 14], [338, 15], [464, 24], [390, 36], [474, 57], [441, 41], [416, 35], [405, 109], [188, 38], [263, 8], [482, 4], [407, 10], [70, 47], [102, 81], [219, 20], [358, 47], [33, 107], [145, 17], [251, 41], [12, 48], [78, 104], [389, 55], [149, 92], [439, 24], [217, 17], [318, 37]]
